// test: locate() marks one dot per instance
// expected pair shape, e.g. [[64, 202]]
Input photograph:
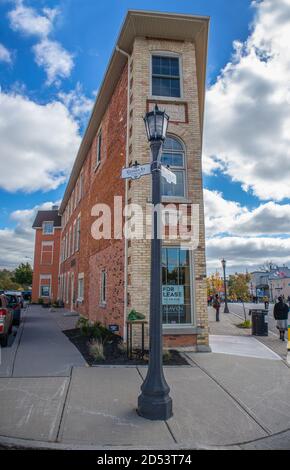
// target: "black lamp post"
[[226, 309], [154, 402]]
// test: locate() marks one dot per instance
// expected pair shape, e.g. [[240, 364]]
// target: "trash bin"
[[259, 322]]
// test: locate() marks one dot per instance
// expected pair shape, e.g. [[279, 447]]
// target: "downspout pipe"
[[121, 51]]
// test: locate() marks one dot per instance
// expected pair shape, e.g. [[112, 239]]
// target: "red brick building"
[[47, 225], [158, 59]]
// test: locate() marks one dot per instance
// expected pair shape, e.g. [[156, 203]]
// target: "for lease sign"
[[172, 295]]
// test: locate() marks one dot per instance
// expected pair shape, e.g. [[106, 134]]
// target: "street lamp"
[[154, 402], [226, 309]]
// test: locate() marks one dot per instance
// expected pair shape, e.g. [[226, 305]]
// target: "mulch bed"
[[113, 354]]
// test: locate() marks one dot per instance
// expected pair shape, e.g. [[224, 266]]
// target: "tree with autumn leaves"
[[215, 284], [238, 286]]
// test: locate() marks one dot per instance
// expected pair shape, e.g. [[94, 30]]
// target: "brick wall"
[[101, 184]]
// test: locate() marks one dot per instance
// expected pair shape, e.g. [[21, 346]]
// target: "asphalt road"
[[237, 308]]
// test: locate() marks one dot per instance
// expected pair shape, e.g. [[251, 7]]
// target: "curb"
[[10, 443]]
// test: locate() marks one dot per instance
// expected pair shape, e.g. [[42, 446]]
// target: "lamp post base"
[[155, 408], [226, 310]]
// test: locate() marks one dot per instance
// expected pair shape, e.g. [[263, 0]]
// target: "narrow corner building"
[[158, 59]]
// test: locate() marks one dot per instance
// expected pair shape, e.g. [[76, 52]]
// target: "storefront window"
[[176, 286]]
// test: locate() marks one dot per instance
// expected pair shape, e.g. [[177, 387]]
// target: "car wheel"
[[4, 341]]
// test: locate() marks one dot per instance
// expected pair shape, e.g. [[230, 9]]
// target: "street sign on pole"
[[136, 171], [168, 175]]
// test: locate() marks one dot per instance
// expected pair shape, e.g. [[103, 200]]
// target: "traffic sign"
[[136, 171], [168, 175]]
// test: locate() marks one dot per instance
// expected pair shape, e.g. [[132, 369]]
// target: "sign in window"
[[176, 286]]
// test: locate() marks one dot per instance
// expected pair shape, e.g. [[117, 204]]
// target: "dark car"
[[6, 319], [14, 304]]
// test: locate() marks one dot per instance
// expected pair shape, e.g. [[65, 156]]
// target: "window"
[[166, 76], [47, 228], [103, 287], [45, 285], [46, 253], [173, 155], [99, 148], [176, 286], [78, 233], [81, 186], [81, 287]]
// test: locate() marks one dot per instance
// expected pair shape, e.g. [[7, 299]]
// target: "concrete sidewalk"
[[219, 401], [228, 327], [40, 349]]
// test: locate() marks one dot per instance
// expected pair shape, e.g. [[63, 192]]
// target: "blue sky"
[[81, 35]]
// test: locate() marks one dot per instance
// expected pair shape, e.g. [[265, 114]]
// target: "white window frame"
[[185, 197], [81, 182], [81, 277], [70, 242], [192, 292], [43, 225], [78, 234], [41, 278], [45, 243], [167, 54], [103, 288]]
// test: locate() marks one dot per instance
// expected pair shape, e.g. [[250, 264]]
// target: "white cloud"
[[248, 108], [38, 143], [17, 244], [49, 54], [252, 236], [78, 104], [244, 253], [5, 54], [224, 216], [56, 61], [26, 20]]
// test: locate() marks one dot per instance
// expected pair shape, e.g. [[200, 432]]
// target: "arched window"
[[173, 154]]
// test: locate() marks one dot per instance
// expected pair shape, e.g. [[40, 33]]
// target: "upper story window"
[[47, 228], [166, 76], [173, 154], [99, 148]]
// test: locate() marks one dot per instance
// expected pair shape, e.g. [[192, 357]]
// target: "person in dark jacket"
[[281, 311], [217, 305]]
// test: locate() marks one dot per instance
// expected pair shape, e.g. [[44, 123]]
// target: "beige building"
[[159, 59]]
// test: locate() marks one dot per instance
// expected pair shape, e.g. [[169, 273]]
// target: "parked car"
[[14, 304], [26, 294], [6, 320]]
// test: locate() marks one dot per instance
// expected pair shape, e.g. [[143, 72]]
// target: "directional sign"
[[136, 171], [168, 175]]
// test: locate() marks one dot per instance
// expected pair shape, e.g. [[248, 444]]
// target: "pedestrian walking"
[[266, 302], [281, 311], [217, 305]]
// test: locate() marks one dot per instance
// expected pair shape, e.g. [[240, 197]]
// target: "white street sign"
[[168, 175], [136, 171]]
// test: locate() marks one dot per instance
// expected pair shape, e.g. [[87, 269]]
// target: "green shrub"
[[245, 324], [84, 325], [40, 301], [96, 348], [166, 355]]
